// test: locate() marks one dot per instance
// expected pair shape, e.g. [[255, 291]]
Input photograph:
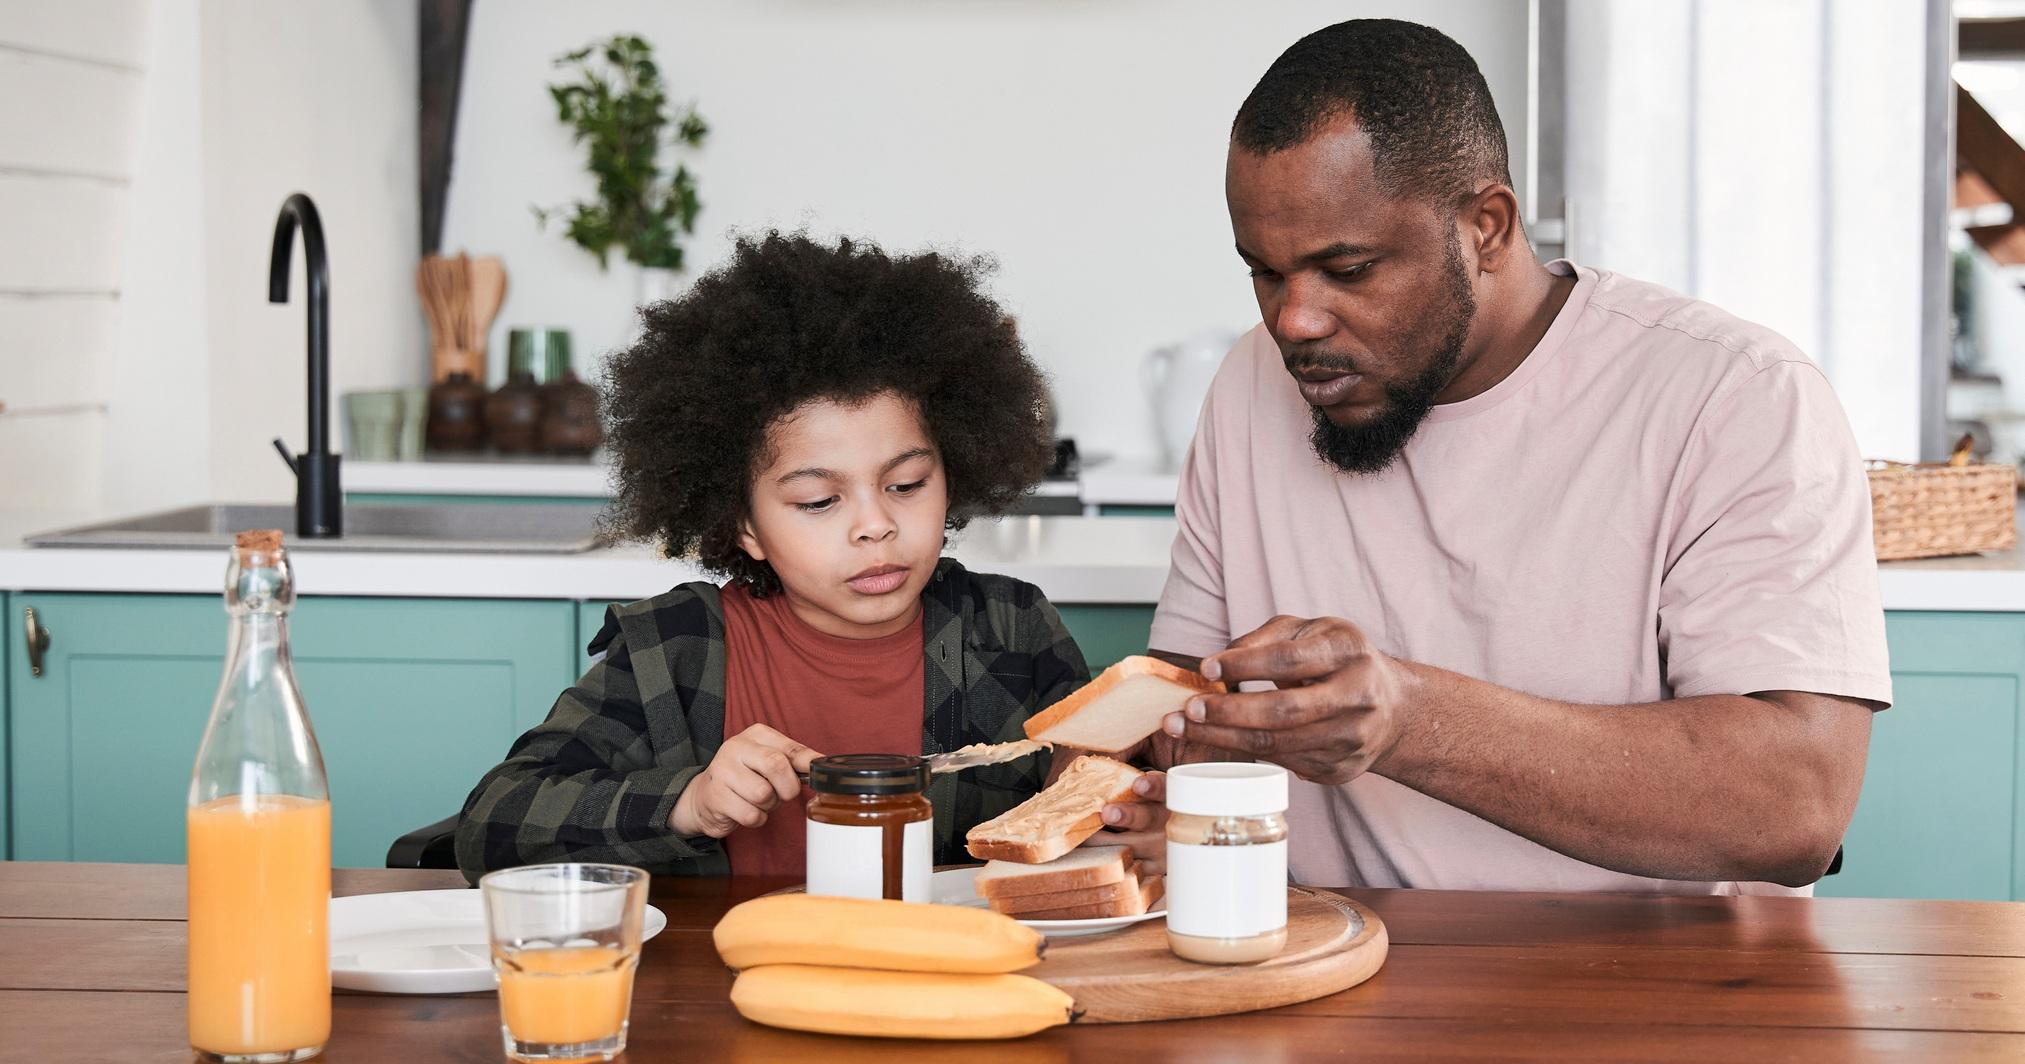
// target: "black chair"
[[433, 846]]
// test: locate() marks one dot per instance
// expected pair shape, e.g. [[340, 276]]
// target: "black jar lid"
[[869, 774]]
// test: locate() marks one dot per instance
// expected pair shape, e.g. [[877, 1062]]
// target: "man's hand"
[[1141, 825], [1336, 713], [753, 772]]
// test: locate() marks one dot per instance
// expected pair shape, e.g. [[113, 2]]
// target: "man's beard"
[[1372, 446]]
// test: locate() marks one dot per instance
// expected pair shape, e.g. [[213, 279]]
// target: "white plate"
[[955, 886], [419, 942]]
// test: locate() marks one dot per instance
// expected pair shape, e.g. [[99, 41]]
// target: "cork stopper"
[[260, 541]]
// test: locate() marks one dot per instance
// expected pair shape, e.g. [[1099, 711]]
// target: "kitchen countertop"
[[1071, 559], [1993, 582], [1104, 482], [483, 474], [1129, 482]]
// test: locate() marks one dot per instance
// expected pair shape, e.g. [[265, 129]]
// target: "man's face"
[[1368, 297]]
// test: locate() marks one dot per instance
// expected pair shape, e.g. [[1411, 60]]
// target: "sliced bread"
[[1151, 890], [1059, 818], [1117, 709], [1079, 869], [1107, 894]]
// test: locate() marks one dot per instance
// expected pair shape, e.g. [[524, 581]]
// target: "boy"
[[809, 420]]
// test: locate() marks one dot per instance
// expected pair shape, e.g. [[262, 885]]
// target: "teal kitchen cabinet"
[[1942, 813], [1106, 633], [412, 700]]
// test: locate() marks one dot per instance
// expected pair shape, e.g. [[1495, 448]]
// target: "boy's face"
[[850, 514]]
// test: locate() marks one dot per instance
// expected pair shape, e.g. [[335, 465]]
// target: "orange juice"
[[259, 924], [565, 996]]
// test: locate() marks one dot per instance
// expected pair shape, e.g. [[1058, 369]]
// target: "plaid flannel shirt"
[[597, 780]]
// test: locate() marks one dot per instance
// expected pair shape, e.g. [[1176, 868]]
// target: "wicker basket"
[[1928, 511]]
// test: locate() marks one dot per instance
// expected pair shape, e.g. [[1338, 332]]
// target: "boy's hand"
[[753, 772], [1141, 825]]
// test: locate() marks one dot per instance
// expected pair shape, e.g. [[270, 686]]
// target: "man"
[[1540, 577]]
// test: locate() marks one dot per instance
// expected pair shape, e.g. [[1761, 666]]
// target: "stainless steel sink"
[[531, 528]]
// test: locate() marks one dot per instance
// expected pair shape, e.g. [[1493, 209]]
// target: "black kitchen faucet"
[[319, 503]]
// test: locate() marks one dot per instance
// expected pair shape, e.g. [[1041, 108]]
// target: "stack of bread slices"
[[1089, 883], [1038, 867]]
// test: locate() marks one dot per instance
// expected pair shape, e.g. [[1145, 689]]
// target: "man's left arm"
[[1713, 787]]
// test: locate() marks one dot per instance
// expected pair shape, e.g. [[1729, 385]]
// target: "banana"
[[864, 933], [854, 1001]]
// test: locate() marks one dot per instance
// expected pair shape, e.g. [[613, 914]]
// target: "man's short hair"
[[1415, 92]]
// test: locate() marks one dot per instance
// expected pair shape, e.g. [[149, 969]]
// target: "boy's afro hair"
[[789, 320]]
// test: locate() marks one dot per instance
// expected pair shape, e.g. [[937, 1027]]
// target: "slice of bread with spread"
[[1059, 818]]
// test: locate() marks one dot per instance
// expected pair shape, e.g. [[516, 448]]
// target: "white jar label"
[[1226, 891], [849, 861]]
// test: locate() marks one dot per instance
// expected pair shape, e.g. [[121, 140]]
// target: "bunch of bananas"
[[888, 969]]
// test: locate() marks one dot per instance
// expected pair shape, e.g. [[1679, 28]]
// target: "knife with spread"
[[975, 755], [978, 754]]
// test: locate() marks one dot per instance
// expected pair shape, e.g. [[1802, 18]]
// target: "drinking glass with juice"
[[565, 943]]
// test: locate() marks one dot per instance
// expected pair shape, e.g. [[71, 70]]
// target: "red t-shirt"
[[837, 695]]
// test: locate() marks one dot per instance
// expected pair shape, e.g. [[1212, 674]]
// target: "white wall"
[[158, 427], [1765, 155], [143, 365], [65, 166], [317, 98], [1081, 144], [1772, 167], [1872, 220]]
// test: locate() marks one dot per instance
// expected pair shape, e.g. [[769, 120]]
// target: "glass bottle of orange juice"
[[259, 838]]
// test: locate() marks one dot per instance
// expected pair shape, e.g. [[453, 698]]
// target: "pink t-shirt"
[[1660, 501]]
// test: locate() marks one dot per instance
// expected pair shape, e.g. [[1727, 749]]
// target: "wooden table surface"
[[91, 969]]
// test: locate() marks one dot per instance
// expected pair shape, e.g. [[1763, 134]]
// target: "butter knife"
[[975, 755], [978, 754]]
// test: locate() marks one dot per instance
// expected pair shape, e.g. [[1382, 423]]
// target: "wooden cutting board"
[[1127, 976]]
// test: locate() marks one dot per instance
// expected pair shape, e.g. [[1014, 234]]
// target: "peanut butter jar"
[[1226, 862]]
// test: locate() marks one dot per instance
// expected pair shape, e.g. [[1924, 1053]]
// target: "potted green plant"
[[617, 108]]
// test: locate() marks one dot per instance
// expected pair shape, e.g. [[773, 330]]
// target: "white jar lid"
[[1227, 789]]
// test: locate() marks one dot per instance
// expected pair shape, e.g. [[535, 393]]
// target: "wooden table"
[[91, 969]]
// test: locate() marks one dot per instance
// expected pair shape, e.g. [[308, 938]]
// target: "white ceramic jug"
[[1177, 378]]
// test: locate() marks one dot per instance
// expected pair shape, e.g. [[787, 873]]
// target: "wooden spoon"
[[488, 293]]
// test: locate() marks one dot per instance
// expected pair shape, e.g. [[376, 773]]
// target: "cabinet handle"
[[38, 641]]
